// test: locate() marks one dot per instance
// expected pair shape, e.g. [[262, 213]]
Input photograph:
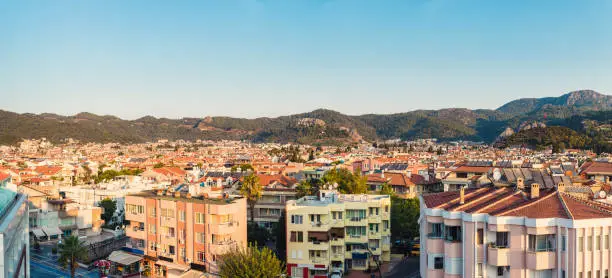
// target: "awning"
[[54, 231], [318, 236], [38, 232], [123, 258], [172, 265]]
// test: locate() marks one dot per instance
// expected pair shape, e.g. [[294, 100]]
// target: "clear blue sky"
[[269, 58]]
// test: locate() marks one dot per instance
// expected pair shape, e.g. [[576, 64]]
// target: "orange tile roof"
[[511, 202]]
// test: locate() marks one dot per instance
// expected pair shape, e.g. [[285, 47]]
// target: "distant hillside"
[[557, 137], [563, 106], [322, 126]]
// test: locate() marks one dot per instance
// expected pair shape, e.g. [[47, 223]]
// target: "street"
[[407, 268]]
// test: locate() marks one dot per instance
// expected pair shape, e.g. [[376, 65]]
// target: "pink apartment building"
[[178, 232], [514, 232]]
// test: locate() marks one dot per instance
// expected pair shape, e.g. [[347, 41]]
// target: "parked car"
[[336, 274], [415, 247]]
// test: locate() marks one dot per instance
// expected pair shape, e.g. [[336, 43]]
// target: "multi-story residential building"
[[278, 189], [514, 231], [14, 239], [337, 232], [179, 231]]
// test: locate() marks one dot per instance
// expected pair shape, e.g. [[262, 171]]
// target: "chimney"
[[160, 192], [520, 183], [462, 195], [561, 187], [535, 190]]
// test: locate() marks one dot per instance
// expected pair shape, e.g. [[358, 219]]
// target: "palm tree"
[[71, 250], [251, 190]]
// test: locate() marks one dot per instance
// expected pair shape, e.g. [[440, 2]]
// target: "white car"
[[336, 274]]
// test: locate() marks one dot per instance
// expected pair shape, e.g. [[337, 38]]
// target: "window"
[[200, 238], [315, 218], [199, 218], [152, 229], [386, 209], [580, 274], [297, 237], [563, 243], [171, 250], [580, 244], [479, 270], [182, 215], [201, 257], [356, 231], [598, 244], [542, 243], [501, 239], [183, 253], [297, 272], [479, 236], [152, 246], [437, 230], [168, 213], [152, 212], [598, 274], [373, 228], [297, 219], [453, 233], [356, 214], [607, 243], [589, 274], [562, 273], [606, 273], [500, 271], [134, 209], [439, 263], [589, 243]]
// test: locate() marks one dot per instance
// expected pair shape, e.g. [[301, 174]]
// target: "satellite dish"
[[602, 194], [496, 175]]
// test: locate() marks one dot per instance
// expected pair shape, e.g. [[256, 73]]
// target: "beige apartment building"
[[332, 232], [179, 232]]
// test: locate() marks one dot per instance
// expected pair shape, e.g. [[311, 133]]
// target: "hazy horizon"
[[268, 58]]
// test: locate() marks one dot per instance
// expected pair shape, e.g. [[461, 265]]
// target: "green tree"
[[87, 175], [251, 262], [311, 155], [404, 217], [109, 206], [387, 189], [304, 188], [252, 190], [71, 251], [158, 165], [257, 235], [280, 234]]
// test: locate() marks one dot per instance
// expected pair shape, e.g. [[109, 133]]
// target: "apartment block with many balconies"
[[337, 232], [518, 231], [179, 231]]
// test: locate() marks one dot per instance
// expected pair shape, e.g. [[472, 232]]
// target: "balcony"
[[356, 239], [224, 228], [356, 221], [222, 247], [498, 256], [374, 219], [376, 250], [541, 260], [318, 245], [337, 256], [435, 244], [452, 249], [374, 235], [138, 217], [386, 247], [336, 223], [337, 241], [319, 226], [319, 260], [135, 232]]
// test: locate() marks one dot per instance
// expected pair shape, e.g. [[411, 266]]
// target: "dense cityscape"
[[398, 208]]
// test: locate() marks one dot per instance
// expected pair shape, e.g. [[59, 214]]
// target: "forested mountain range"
[[573, 110]]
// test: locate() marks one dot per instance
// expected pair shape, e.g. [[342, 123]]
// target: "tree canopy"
[[71, 250], [252, 190], [404, 217], [109, 206], [251, 262]]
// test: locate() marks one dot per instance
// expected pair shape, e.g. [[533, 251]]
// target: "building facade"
[[177, 231], [335, 231], [14, 230], [522, 231]]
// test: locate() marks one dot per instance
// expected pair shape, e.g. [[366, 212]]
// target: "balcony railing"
[[435, 235]]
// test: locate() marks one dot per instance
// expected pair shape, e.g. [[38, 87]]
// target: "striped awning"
[[38, 232]]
